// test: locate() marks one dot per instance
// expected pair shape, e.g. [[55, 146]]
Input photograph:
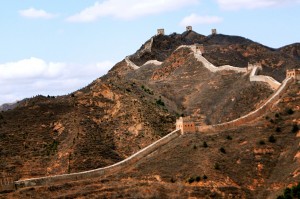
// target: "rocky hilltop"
[[131, 107]]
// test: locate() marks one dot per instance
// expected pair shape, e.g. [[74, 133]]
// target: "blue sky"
[[56, 47]]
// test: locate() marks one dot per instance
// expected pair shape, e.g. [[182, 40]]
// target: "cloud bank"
[[252, 4], [33, 76], [129, 9], [195, 19], [36, 14]]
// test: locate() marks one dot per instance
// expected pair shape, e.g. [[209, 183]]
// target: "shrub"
[[160, 102], [288, 193], [204, 177], [295, 128], [195, 147], [217, 166], [205, 145], [277, 115], [278, 129], [261, 142], [289, 111], [173, 180], [272, 139], [229, 137], [198, 178], [222, 150], [191, 180]]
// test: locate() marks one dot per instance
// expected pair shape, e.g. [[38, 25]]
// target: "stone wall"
[[261, 78], [155, 62], [258, 112], [131, 64], [101, 171], [209, 65]]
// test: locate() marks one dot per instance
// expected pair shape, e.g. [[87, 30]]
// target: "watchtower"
[[185, 124], [214, 31], [161, 31], [189, 28], [294, 73], [199, 48]]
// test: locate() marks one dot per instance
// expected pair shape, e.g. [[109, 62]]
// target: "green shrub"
[[261, 142], [198, 178], [160, 102], [204, 177], [278, 129], [205, 145]]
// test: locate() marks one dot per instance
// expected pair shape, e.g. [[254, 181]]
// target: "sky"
[[57, 47]]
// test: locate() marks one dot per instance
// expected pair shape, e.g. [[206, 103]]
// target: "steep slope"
[[94, 127], [257, 160], [189, 88]]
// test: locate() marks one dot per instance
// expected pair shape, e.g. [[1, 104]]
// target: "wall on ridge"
[[101, 171], [261, 78], [258, 112], [131, 64]]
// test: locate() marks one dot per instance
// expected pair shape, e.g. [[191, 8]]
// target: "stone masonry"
[[294, 73], [189, 28], [161, 31]]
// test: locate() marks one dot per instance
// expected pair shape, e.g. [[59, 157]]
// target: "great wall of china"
[[101, 171], [9, 184]]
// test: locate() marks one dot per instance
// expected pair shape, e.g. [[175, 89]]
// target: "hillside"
[[205, 165], [125, 110]]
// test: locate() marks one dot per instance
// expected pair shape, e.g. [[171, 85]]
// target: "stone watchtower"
[[185, 124], [161, 31], [189, 28], [294, 73], [214, 31], [199, 48]]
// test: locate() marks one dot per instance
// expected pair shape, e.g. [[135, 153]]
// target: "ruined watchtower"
[[213, 31], [199, 48], [161, 31], [189, 28], [294, 73], [186, 124]]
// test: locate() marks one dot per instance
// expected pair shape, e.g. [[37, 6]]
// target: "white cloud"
[[33, 76], [35, 13], [195, 19], [129, 9], [252, 4]]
